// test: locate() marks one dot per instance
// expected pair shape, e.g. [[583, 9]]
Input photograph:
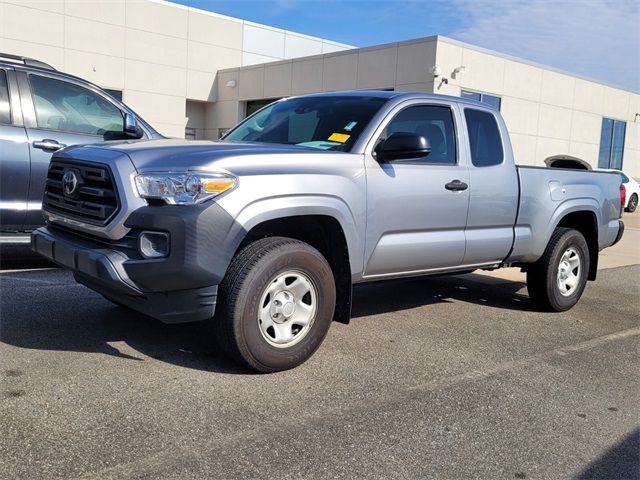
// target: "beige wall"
[[158, 53], [548, 113], [403, 66]]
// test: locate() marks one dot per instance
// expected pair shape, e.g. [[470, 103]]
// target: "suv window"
[[68, 107], [484, 138], [5, 110], [433, 122]]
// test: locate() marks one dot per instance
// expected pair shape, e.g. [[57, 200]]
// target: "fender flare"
[[282, 206]]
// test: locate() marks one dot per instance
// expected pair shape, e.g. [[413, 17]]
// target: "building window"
[[252, 106], [189, 133], [612, 143], [117, 94], [482, 97]]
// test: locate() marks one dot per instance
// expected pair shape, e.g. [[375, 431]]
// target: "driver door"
[[58, 114], [415, 219]]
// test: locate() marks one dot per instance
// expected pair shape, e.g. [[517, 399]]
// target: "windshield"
[[323, 122]]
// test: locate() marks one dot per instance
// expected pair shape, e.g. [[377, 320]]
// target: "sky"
[[599, 39]]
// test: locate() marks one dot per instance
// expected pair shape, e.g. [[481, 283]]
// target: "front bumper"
[[181, 287], [104, 270]]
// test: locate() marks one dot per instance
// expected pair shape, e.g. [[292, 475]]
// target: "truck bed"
[[549, 194]]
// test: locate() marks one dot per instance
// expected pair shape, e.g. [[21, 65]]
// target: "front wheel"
[[633, 203], [556, 281], [276, 304]]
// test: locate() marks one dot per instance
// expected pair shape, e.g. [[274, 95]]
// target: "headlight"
[[183, 188]]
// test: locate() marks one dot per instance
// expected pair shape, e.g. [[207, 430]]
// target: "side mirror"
[[131, 128], [402, 146]]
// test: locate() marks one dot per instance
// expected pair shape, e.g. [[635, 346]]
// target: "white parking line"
[[22, 270]]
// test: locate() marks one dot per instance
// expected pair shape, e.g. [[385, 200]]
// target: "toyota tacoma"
[[265, 232]]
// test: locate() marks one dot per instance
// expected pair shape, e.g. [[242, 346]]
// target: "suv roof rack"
[[30, 62]]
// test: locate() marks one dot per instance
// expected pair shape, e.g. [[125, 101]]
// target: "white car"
[[632, 188]]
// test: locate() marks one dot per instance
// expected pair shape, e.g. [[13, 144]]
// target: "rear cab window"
[[485, 141]]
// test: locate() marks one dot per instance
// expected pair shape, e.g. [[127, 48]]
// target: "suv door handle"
[[456, 185], [48, 145]]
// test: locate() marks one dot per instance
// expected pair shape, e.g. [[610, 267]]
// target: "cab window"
[[484, 138], [70, 108], [433, 122]]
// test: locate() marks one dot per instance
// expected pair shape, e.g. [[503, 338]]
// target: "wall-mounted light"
[[458, 70], [231, 84], [435, 70]]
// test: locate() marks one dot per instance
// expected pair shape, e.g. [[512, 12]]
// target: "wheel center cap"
[[288, 309], [282, 307]]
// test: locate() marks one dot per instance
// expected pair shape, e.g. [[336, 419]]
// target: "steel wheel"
[[557, 280], [287, 309], [569, 272]]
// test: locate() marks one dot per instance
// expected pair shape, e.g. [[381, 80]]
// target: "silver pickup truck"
[[265, 232]]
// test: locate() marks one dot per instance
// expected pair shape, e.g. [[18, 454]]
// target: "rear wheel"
[[276, 304], [633, 203], [556, 281]]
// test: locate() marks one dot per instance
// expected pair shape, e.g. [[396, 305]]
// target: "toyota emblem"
[[69, 182]]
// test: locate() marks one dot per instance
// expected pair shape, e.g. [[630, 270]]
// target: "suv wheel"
[[276, 304], [556, 281], [633, 203]]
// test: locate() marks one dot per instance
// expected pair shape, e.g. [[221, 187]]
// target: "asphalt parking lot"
[[454, 377]]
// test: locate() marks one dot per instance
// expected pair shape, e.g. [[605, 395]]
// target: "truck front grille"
[[81, 191]]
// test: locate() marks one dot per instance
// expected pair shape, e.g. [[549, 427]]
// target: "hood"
[[181, 155]]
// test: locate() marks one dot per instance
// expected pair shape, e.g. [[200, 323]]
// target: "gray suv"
[[42, 111]]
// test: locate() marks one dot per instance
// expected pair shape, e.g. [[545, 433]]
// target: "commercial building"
[[161, 57], [195, 74]]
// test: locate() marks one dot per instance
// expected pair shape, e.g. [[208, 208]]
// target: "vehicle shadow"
[[58, 314], [396, 295], [621, 461], [19, 256], [49, 311]]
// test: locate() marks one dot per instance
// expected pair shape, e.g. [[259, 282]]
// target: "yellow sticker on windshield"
[[339, 137]]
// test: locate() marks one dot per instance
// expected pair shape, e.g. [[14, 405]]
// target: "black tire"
[[542, 276], [633, 203], [248, 278]]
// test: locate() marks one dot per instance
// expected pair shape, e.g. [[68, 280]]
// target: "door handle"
[[48, 145], [456, 186]]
